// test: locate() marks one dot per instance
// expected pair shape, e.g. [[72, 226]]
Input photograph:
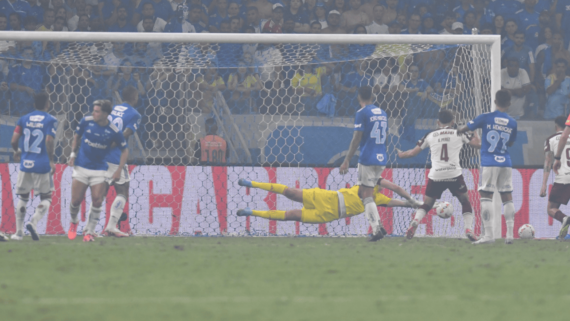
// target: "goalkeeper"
[[322, 206]]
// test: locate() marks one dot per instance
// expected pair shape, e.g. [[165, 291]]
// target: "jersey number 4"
[[34, 148], [444, 155], [376, 133]]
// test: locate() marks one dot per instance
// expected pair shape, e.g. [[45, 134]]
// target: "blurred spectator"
[[20, 7], [269, 60], [4, 45], [359, 51], [122, 23], [483, 15], [447, 22], [195, 18], [220, 15], [35, 11], [178, 23], [15, 22], [414, 23], [390, 11], [509, 37], [486, 29], [515, 80], [253, 19], [296, 13], [353, 17], [228, 53], [288, 27], [265, 8], [505, 8], [428, 25], [528, 21], [388, 80], [333, 21], [417, 105], [394, 28], [209, 85], [4, 94], [320, 15], [274, 24], [469, 23], [233, 10], [349, 84], [377, 26], [523, 53], [158, 24], [545, 40], [557, 86], [212, 149], [25, 79], [49, 18], [235, 24], [83, 23], [80, 10], [161, 9], [457, 28], [61, 12], [338, 5], [308, 85], [462, 9], [126, 77], [316, 27], [563, 20], [368, 8], [499, 25], [114, 58], [242, 84]]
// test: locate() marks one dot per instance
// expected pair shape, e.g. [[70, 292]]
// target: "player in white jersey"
[[34, 142], [127, 119], [560, 192], [446, 172]]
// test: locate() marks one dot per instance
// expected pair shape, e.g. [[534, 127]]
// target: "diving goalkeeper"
[[321, 205]]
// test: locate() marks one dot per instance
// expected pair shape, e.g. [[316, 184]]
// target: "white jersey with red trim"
[[551, 145], [445, 146]]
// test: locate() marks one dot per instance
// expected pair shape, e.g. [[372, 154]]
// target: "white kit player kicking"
[[446, 172], [94, 138], [33, 143], [499, 131], [370, 132], [127, 120], [560, 192]]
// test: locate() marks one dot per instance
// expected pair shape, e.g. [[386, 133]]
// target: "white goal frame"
[[494, 41]]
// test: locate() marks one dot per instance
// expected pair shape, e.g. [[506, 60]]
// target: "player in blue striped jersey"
[[126, 119], [33, 144], [93, 140]]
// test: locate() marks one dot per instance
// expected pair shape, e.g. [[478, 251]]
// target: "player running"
[[96, 135], [321, 205], [127, 120], [560, 192], [446, 173], [370, 132], [35, 154], [499, 132]]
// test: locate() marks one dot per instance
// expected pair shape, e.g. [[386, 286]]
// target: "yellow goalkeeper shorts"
[[319, 206]]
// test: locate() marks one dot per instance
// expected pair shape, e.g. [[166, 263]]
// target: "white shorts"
[[496, 178], [125, 177], [88, 177], [369, 175], [40, 183]]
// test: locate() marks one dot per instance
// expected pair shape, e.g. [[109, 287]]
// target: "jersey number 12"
[[34, 148]]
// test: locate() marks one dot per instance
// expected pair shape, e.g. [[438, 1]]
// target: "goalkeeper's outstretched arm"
[[411, 202]]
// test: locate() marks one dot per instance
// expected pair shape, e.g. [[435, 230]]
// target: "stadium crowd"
[[535, 45]]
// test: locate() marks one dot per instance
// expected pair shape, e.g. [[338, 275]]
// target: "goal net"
[[283, 105]]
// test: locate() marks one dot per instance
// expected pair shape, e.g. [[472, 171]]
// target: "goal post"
[[284, 104]]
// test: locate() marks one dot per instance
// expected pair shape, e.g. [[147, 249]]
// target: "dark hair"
[[365, 93], [130, 93], [503, 98], [445, 116], [316, 22], [512, 59], [561, 61], [40, 100], [104, 104], [519, 32], [359, 26], [560, 121], [210, 121], [146, 4]]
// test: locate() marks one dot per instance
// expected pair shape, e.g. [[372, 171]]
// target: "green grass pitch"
[[150, 278]]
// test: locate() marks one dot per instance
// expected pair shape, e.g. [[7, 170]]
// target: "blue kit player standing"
[[93, 140], [499, 132], [35, 152], [370, 132], [127, 120]]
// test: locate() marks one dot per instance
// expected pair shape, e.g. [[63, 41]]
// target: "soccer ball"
[[526, 231], [444, 210]]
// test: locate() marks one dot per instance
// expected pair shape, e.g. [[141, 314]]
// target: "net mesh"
[[286, 112]]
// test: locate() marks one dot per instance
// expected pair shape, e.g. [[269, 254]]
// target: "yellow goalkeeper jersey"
[[354, 204]]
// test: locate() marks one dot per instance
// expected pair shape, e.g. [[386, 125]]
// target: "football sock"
[[468, 220], [41, 210], [271, 187], [74, 210], [559, 216], [487, 215], [116, 211], [94, 214], [509, 218], [420, 214], [20, 215], [272, 215], [371, 211]]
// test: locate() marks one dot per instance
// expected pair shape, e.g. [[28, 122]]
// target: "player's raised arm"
[[410, 153], [356, 137], [384, 183], [475, 141]]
